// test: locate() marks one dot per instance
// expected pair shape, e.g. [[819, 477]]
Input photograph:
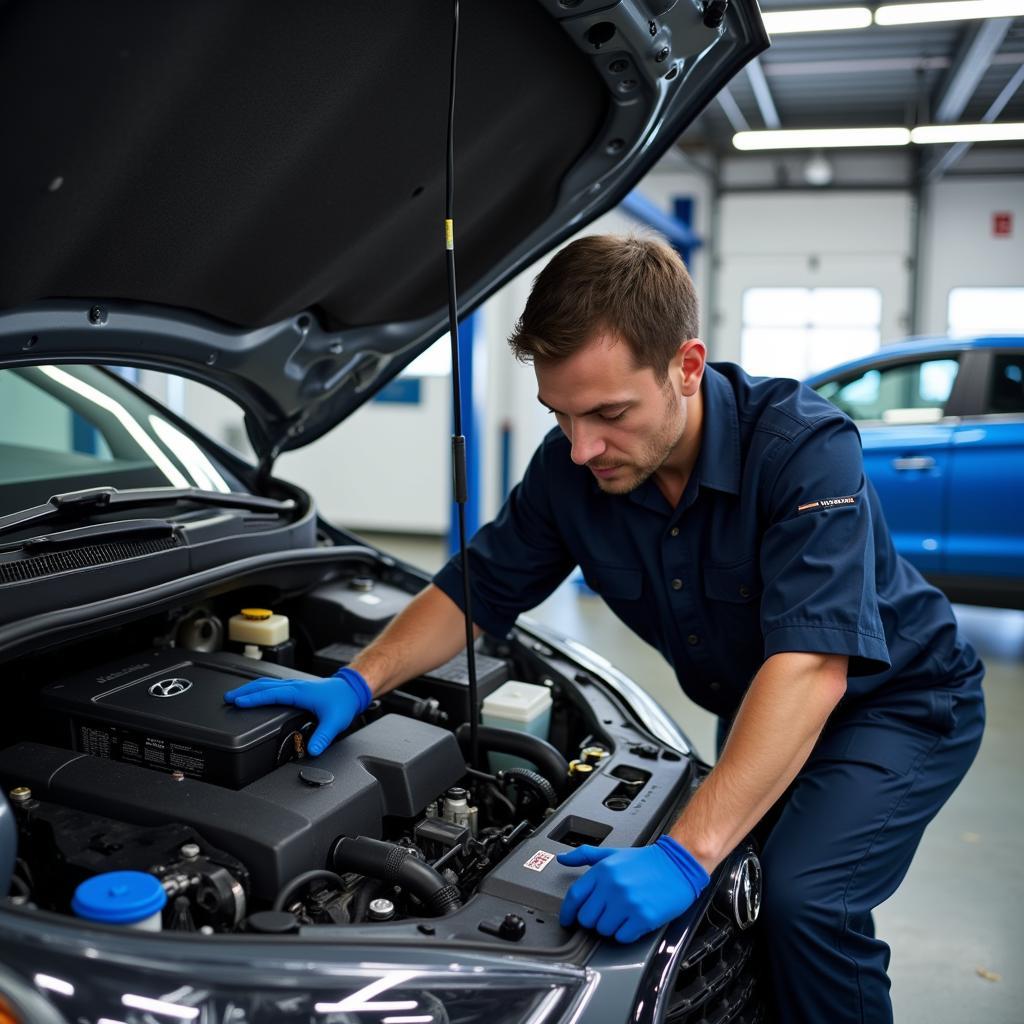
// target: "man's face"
[[622, 423]]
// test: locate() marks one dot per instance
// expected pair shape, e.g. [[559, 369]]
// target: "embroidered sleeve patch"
[[811, 506]]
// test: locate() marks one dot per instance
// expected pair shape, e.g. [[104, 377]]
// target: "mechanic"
[[727, 520]]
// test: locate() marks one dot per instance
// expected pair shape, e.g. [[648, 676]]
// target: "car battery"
[[449, 684], [165, 710]]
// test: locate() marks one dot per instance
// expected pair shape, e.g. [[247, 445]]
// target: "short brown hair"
[[635, 287]]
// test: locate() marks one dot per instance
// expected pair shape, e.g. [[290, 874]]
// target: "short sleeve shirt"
[[777, 544]]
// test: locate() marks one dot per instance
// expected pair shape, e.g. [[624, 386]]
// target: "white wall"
[[812, 239], [385, 468], [959, 247]]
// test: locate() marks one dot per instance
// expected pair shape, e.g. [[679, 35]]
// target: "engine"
[[145, 768]]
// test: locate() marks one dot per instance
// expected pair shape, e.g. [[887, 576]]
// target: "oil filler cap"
[[316, 776]]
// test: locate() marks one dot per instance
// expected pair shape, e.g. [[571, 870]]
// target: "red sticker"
[[539, 861]]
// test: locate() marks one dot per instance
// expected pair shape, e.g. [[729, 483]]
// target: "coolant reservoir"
[[257, 628], [520, 706]]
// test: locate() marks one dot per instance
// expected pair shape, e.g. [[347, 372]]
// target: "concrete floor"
[[956, 925]]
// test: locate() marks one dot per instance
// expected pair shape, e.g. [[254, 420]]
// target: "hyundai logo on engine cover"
[[745, 891], [170, 687]]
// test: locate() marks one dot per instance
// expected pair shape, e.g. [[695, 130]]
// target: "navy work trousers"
[[845, 834]]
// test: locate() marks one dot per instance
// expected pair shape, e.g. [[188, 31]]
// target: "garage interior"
[[929, 241]]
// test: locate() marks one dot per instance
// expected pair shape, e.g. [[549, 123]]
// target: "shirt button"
[[744, 591], [677, 584], [674, 532], [693, 639], [716, 686]]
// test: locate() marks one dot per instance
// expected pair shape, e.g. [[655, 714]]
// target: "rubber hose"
[[399, 866], [300, 880], [361, 901], [536, 782], [546, 757]]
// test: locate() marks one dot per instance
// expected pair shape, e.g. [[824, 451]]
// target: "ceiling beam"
[[732, 111], [763, 94], [980, 44], [939, 166], [871, 65]]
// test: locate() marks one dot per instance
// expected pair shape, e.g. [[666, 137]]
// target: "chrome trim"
[[745, 888], [172, 687], [582, 1000]]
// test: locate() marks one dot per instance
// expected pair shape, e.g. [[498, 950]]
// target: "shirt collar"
[[720, 435]]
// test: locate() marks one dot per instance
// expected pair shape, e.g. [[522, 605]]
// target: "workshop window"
[[986, 311], [795, 332]]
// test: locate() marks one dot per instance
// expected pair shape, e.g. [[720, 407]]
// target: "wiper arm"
[[77, 504]]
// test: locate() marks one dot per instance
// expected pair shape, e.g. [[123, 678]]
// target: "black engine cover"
[[279, 825]]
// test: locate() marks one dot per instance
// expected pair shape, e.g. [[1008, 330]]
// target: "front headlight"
[[91, 987]]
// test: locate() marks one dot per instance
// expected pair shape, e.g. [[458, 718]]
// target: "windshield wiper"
[[78, 504]]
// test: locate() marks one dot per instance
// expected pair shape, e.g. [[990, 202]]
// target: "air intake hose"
[[546, 757], [396, 865]]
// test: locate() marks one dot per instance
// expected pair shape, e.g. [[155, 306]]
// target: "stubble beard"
[[655, 453]]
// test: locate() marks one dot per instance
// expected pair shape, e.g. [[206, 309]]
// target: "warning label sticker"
[[539, 861]]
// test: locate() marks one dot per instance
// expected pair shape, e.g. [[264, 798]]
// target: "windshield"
[[67, 428]]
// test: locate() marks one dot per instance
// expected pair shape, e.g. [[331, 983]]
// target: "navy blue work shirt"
[[777, 544]]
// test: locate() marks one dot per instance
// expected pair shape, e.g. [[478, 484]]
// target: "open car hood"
[[250, 193]]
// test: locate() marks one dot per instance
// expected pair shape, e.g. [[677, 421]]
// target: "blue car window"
[[906, 393], [1006, 389]]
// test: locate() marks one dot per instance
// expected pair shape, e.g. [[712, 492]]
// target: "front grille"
[[717, 983], [38, 566]]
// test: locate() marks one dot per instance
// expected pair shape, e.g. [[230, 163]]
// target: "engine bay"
[[133, 762]]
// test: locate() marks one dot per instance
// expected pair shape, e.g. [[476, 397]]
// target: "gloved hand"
[[335, 701], [630, 892]]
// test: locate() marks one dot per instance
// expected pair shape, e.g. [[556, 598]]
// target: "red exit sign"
[[1002, 225]]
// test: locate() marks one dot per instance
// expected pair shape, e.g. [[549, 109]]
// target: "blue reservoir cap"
[[119, 897]]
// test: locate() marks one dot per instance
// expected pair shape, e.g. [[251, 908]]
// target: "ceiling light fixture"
[[818, 19], [821, 138], [868, 138], [948, 10], [947, 133]]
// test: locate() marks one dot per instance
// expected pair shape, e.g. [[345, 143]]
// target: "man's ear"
[[689, 362]]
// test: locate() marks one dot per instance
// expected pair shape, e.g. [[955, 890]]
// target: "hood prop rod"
[[459, 472]]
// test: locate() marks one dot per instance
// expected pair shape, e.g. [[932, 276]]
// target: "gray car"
[[249, 196]]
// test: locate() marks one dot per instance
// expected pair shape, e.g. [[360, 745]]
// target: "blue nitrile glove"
[[335, 701], [630, 892]]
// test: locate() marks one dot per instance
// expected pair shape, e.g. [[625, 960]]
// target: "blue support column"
[[684, 215], [677, 229], [471, 428]]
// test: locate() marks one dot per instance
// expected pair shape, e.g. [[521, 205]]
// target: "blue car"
[[942, 422]]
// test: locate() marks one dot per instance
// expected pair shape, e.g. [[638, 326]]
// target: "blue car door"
[[986, 500], [900, 408], [909, 467]]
